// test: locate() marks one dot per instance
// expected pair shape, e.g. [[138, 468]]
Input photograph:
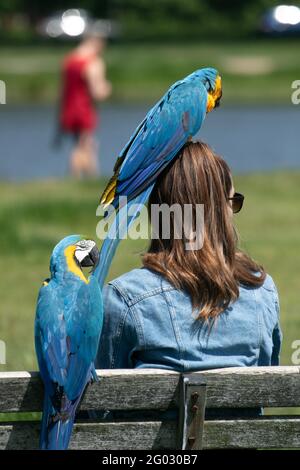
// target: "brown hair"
[[212, 274]]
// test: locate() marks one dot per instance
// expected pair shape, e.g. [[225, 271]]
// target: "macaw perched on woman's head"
[[175, 118]]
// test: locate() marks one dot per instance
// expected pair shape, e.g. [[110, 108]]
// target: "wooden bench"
[[158, 409]]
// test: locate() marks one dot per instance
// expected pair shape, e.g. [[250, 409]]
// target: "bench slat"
[[264, 434], [256, 434], [158, 389]]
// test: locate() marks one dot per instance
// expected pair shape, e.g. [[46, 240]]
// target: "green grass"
[[256, 71], [34, 216]]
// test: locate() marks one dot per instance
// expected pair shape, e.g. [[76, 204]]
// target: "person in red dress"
[[84, 82]]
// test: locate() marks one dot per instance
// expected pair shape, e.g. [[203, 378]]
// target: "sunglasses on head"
[[237, 202]]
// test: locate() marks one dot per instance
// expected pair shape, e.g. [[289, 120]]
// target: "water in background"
[[249, 138]]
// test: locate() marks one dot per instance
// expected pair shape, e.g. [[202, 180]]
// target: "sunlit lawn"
[[34, 216], [254, 71]]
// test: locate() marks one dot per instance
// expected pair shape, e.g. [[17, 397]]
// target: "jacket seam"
[[138, 298], [138, 326], [172, 313], [118, 335], [258, 315]]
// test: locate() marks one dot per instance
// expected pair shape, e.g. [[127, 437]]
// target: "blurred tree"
[[157, 19], [190, 18], [8, 8]]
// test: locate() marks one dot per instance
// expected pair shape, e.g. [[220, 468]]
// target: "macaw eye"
[[82, 244]]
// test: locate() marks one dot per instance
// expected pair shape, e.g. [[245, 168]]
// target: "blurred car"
[[73, 23], [283, 20]]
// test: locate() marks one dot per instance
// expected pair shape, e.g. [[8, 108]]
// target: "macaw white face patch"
[[83, 248]]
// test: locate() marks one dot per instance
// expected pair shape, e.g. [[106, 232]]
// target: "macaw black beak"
[[91, 259], [217, 103]]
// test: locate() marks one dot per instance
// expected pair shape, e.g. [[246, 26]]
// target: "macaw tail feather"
[[56, 431], [118, 230]]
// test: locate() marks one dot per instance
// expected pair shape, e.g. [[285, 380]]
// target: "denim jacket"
[[150, 324]]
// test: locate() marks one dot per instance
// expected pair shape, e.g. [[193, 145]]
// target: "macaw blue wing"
[[67, 344], [166, 128], [50, 334], [67, 330], [83, 337]]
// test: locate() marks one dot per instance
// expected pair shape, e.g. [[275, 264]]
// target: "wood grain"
[[265, 433], [158, 389]]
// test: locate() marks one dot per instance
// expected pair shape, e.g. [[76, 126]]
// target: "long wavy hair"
[[210, 275]]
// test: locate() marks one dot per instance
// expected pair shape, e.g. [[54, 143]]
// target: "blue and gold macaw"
[[176, 117], [68, 325]]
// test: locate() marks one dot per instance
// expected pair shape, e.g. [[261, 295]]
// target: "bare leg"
[[75, 165], [84, 156], [76, 159], [90, 155]]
